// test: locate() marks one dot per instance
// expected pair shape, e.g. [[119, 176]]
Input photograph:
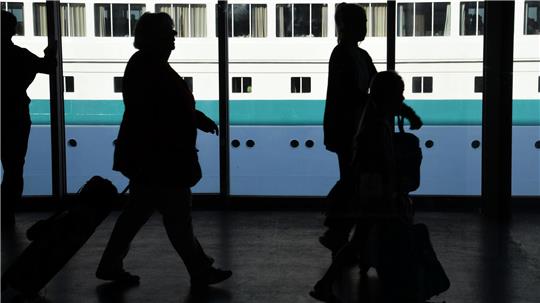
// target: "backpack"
[[409, 157]]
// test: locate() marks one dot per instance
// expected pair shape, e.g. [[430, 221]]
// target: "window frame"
[[67, 87], [118, 84], [477, 27], [243, 88], [525, 18], [230, 20], [432, 19], [291, 16], [129, 21], [20, 28], [301, 85], [190, 19]]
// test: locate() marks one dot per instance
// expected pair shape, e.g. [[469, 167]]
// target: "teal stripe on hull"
[[286, 112]]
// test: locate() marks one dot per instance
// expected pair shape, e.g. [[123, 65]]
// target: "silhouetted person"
[[351, 70], [19, 68], [156, 150], [374, 158]]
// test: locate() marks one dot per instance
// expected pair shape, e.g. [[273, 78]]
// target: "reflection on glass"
[[441, 19], [120, 13], [319, 20], [301, 20], [405, 19], [467, 24], [284, 20], [423, 19], [135, 13], [16, 8], [532, 18], [102, 20], [241, 20]]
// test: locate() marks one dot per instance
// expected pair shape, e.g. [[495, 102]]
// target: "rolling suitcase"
[[56, 240]]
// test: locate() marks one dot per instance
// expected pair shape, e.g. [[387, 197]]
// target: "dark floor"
[[275, 257]]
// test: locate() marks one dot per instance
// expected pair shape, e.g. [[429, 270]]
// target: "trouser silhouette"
[[15, 133], [174, 203], [339, 225]]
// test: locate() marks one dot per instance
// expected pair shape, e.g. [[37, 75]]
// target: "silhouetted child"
[[19, 68], [374, 175]]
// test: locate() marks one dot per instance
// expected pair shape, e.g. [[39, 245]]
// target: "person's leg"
[[339, 226], [14, 147], [175, 207], [130, 221]]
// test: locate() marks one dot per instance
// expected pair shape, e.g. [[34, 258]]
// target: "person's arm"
[[205, 124], [47, 64], [408, 113]]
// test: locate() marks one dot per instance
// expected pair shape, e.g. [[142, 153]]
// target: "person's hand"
[[208, 126], [415, 122]]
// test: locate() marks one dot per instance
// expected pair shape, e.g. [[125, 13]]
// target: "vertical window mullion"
[[414, 20], [111, 19], [189, 20], [477, 13], [310, 24], [433, 19], [292, 21]]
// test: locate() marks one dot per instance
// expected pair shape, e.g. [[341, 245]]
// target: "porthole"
[[429, 143], [72, 142], [294, 143], [475, 144], [235, 143], [250, 143], [310, 143]]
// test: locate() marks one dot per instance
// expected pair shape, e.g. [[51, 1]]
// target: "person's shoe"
[[323, 292], [119, 276], [213, 276]]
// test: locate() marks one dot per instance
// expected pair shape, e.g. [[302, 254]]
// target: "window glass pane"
[[422, 19], [181, 21], [301, 20], [16, 8], [136, 11], [417, 84], [428, 85], [198, 20], [378, 20], [247, 85], [467, 24], [319, 20], [532, 17], [77, 20], [478, 84], [118, 84], [102, 20], [40, 19], [64, 22], [258, 20], [441, 19], [306, 84], [283, 20], [241, 20], [69, 84], [236, 85], [120, 13], [480, 18], [405, 19], [295, 84]]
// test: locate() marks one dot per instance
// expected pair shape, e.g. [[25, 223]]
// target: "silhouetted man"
[[156, 150], [19, 68]]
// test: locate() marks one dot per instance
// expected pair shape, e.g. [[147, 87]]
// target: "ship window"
[[478, 84], [301, 20], [118, 19], [189, 19], [539, 84], [378, 20], [118, 84], [69, 86], [300, 85], [72, 19], [441, 19], [532, 17], [405, 19], [428, 85], [189, 83], [241, 85], [417, 84], [472, 18], [422, 19], [246, 20], [16, 8]]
